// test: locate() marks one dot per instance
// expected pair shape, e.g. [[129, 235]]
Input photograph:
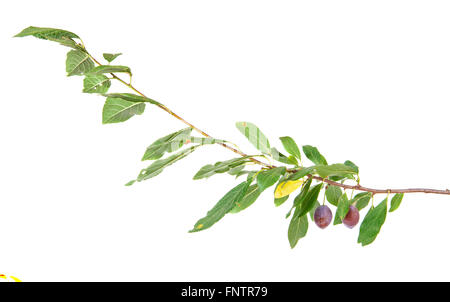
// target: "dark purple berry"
[[323, 216], [352, 217]]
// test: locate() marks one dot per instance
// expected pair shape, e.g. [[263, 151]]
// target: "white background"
[[367, 81]]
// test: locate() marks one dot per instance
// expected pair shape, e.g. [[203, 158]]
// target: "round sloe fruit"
[[352, 217], [322, 216]]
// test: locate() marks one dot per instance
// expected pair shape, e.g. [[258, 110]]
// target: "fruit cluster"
[[323, 217]]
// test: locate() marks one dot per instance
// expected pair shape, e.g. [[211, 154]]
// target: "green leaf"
[[132, 98], [334, 170], [396, 201], [118, 110], [251, 176], [337, 220], [343, 206], [290, 146], [46, 33], [63, 37], [314, 155], [301, 173], [225, 205], [111, 56], [308, 202], [166, 144], [289, 213], [158, 148], [237, 170], [343, 176], [249, 198], [303, 193], [243, 172], [96, 84], [278, 156], [372, 223], [110, 69], [131, 182], [298, 227], [333, 194], [279, 201], [269, 177], [220, 167], [255, 136], [311, 213], [361, 200], [68, 43], [351, 164], [204, 140], [78, 62], [293, 160], [158, 166]]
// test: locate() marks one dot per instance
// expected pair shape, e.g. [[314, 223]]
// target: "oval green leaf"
[[303, 193], [249, 198], [110, 69], [96, 84], [278, 156], [158, 166], [279, 201], [300, 173], [372, 223], [61, 36], [118, 110], [334, 170], [132, 98], [396, 201], [220, 167], [308, 202], [361, 200], [351, 164], [333, 193], [166, 144], [313, 154], [78, 62], [342, 209], [290, 146], [46, 33], [225, 205], [255, 136], [111, 56], [268, 178], [298, 227]]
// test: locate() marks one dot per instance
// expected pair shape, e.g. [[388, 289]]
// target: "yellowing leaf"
[[15, 279], [10, 278], [287, 187]]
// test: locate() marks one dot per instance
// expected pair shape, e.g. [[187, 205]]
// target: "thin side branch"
[[357, 187], [166, 109], [380, 191]]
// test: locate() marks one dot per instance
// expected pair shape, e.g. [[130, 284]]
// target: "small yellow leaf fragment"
[[287, 187], [9, 278], [199, 226], [15, 279]]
